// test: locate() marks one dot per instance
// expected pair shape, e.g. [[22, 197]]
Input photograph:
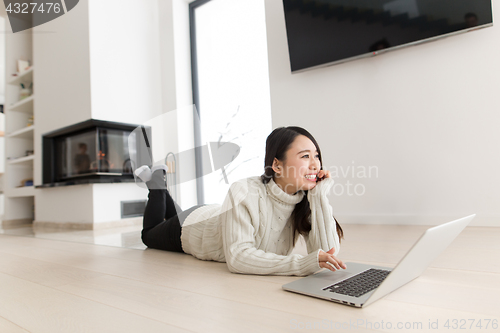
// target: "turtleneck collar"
[[281, 196]]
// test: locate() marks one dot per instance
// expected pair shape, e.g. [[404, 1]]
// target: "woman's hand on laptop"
[[328, 260]]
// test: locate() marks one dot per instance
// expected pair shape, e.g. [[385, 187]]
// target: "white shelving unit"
[[23, 133], [24, 105], [21, 192], [2, 164], [20, 78], [19, 133], [26, 160]]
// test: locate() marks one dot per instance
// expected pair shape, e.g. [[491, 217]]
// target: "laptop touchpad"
[[332, 277]]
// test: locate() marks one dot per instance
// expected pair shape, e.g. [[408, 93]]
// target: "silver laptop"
[[360, 284]]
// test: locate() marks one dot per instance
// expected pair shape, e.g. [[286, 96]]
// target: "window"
[[231, 86]]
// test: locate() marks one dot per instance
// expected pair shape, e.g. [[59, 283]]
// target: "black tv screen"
[[327, 32]]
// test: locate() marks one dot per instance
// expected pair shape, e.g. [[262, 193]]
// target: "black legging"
[[163, 220]]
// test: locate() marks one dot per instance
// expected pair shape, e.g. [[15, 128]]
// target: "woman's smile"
[[311, 177]]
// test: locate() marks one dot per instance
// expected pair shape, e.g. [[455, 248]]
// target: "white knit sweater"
[[252, 230]]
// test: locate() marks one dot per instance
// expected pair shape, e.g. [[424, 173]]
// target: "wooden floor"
[[49, 285]]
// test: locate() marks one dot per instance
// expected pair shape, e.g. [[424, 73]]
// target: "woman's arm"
[[240, 221], [323, 234]]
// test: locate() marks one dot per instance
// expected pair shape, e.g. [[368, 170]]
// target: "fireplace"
[[93, 151]]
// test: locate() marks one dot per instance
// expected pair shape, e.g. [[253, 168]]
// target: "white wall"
[[61, 75], [62, 97], [68, 204], [126, 80], [124, 60], [89, 64], [425, 116], [107, 200]]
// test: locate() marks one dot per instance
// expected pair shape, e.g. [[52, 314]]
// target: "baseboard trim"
[[15, 223], [129, 222]]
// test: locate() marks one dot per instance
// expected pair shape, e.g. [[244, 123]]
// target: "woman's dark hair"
[[277, 144]]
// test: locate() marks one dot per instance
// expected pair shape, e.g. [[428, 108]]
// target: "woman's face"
[[302, 160]]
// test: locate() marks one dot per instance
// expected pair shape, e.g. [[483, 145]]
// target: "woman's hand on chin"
[[322, 174]]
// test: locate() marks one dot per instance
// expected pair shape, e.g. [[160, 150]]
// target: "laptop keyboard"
[[359, 284]]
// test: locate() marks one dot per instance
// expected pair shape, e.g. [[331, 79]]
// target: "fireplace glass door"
[[98, 152]]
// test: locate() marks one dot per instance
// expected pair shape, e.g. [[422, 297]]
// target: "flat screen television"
[[327, 32]]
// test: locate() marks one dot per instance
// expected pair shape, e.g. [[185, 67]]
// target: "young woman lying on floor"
[[257, 226]]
